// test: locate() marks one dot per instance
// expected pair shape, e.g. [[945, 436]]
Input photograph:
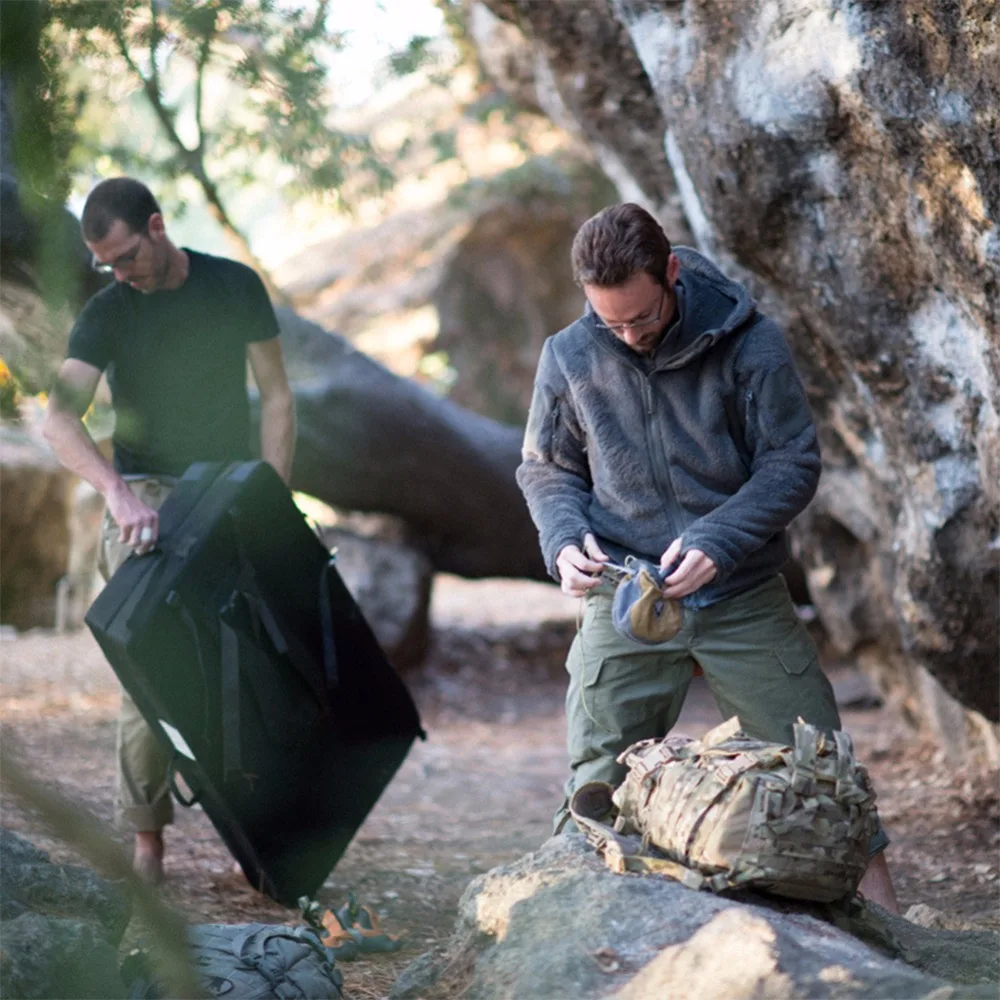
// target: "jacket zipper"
[[661, 475]]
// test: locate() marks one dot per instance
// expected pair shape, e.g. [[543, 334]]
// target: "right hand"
[[578, 569], [139, 525]]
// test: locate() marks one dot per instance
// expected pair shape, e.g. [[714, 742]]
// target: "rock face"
[[507, 287], [558, 923], [61, 925], [840, 158], [462, 293], [392, 584], [35, 501]]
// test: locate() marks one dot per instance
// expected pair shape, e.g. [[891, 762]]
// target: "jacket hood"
[[711, 307]]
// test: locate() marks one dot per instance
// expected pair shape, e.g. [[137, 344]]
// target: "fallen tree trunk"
[[369, 440]]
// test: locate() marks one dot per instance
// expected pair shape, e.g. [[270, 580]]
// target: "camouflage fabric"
[[729, 810], [639, 610]]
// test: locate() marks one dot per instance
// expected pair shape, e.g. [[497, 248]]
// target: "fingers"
[[573, 557], [149, 532], [673, 551], [577, 571], [696, 569], [592, 549], [139, 528]]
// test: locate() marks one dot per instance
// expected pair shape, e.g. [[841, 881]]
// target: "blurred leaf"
[[417, 54], [214, 90], [445, 143]]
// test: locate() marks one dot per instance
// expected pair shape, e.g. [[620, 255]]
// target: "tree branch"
[[320, 19], [150, 86], [204, 51], [154, 40]]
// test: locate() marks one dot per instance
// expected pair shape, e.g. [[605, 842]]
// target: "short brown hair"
[[618, 242], [117, 198]]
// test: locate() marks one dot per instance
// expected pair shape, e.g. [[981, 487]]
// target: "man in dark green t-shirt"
[[174, 333]]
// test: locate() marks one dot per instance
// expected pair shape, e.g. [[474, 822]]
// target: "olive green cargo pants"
[[142, 791], [758, 659]]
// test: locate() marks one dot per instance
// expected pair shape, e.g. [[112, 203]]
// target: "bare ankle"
[[877, 887], [149, 842]]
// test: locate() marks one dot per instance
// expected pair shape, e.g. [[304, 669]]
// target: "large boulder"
[[507, 287], [462, 293], [841, 158], [35, 502], [391, 581], [558, 923], [60, 926]]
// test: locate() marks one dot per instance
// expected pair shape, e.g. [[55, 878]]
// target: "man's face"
[[136, 258], [636, 312]]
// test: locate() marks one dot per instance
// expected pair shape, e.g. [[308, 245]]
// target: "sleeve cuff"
[[555, 548], [724, 565]]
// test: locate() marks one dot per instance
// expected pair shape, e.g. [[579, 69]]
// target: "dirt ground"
[[481, 790]]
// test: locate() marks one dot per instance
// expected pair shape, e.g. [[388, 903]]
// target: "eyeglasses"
[[119, 263], [635, 324]]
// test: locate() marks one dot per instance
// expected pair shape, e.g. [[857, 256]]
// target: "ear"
[[156, 228], [673, 269]]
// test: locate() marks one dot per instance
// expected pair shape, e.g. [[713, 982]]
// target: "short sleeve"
[[260, 323], [96, 331]]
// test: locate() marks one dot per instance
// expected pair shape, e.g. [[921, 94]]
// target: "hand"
[[138, 524], [577, 568], [695, 570]]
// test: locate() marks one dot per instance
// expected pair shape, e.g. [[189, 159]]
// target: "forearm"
[[75, 450], [558, 502], [277, 432]]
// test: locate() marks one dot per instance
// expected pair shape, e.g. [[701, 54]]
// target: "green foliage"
[[417, 54], [445, 144], [230, 85], [38, 133], [40, 103]]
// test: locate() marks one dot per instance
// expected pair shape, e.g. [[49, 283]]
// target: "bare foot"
[[147, 861], [876, 885]]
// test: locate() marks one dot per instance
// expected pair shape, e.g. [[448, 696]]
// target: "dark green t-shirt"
[[176, 364]]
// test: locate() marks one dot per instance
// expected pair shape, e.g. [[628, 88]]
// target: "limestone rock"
[[29, 880], [60, 928], [392, 584], [558, 923], [35, 499], [507, 287], [69, 891], [475, 283], [842, 160], [15, 850], [58, 959]]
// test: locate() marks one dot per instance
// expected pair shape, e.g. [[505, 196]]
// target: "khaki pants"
[[142, 791], [758, 659]]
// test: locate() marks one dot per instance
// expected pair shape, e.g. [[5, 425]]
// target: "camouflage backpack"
[[728, 810]]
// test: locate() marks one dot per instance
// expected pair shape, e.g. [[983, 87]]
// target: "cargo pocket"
[[796, 652], [621, 691]]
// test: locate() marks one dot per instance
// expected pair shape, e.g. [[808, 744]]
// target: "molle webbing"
[[729, 810]]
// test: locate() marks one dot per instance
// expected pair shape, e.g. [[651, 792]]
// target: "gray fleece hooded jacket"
[[709, 438]]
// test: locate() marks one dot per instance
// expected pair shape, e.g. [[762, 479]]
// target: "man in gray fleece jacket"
[[668, 423]]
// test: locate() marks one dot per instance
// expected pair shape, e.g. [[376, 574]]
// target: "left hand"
[[695, 570]]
